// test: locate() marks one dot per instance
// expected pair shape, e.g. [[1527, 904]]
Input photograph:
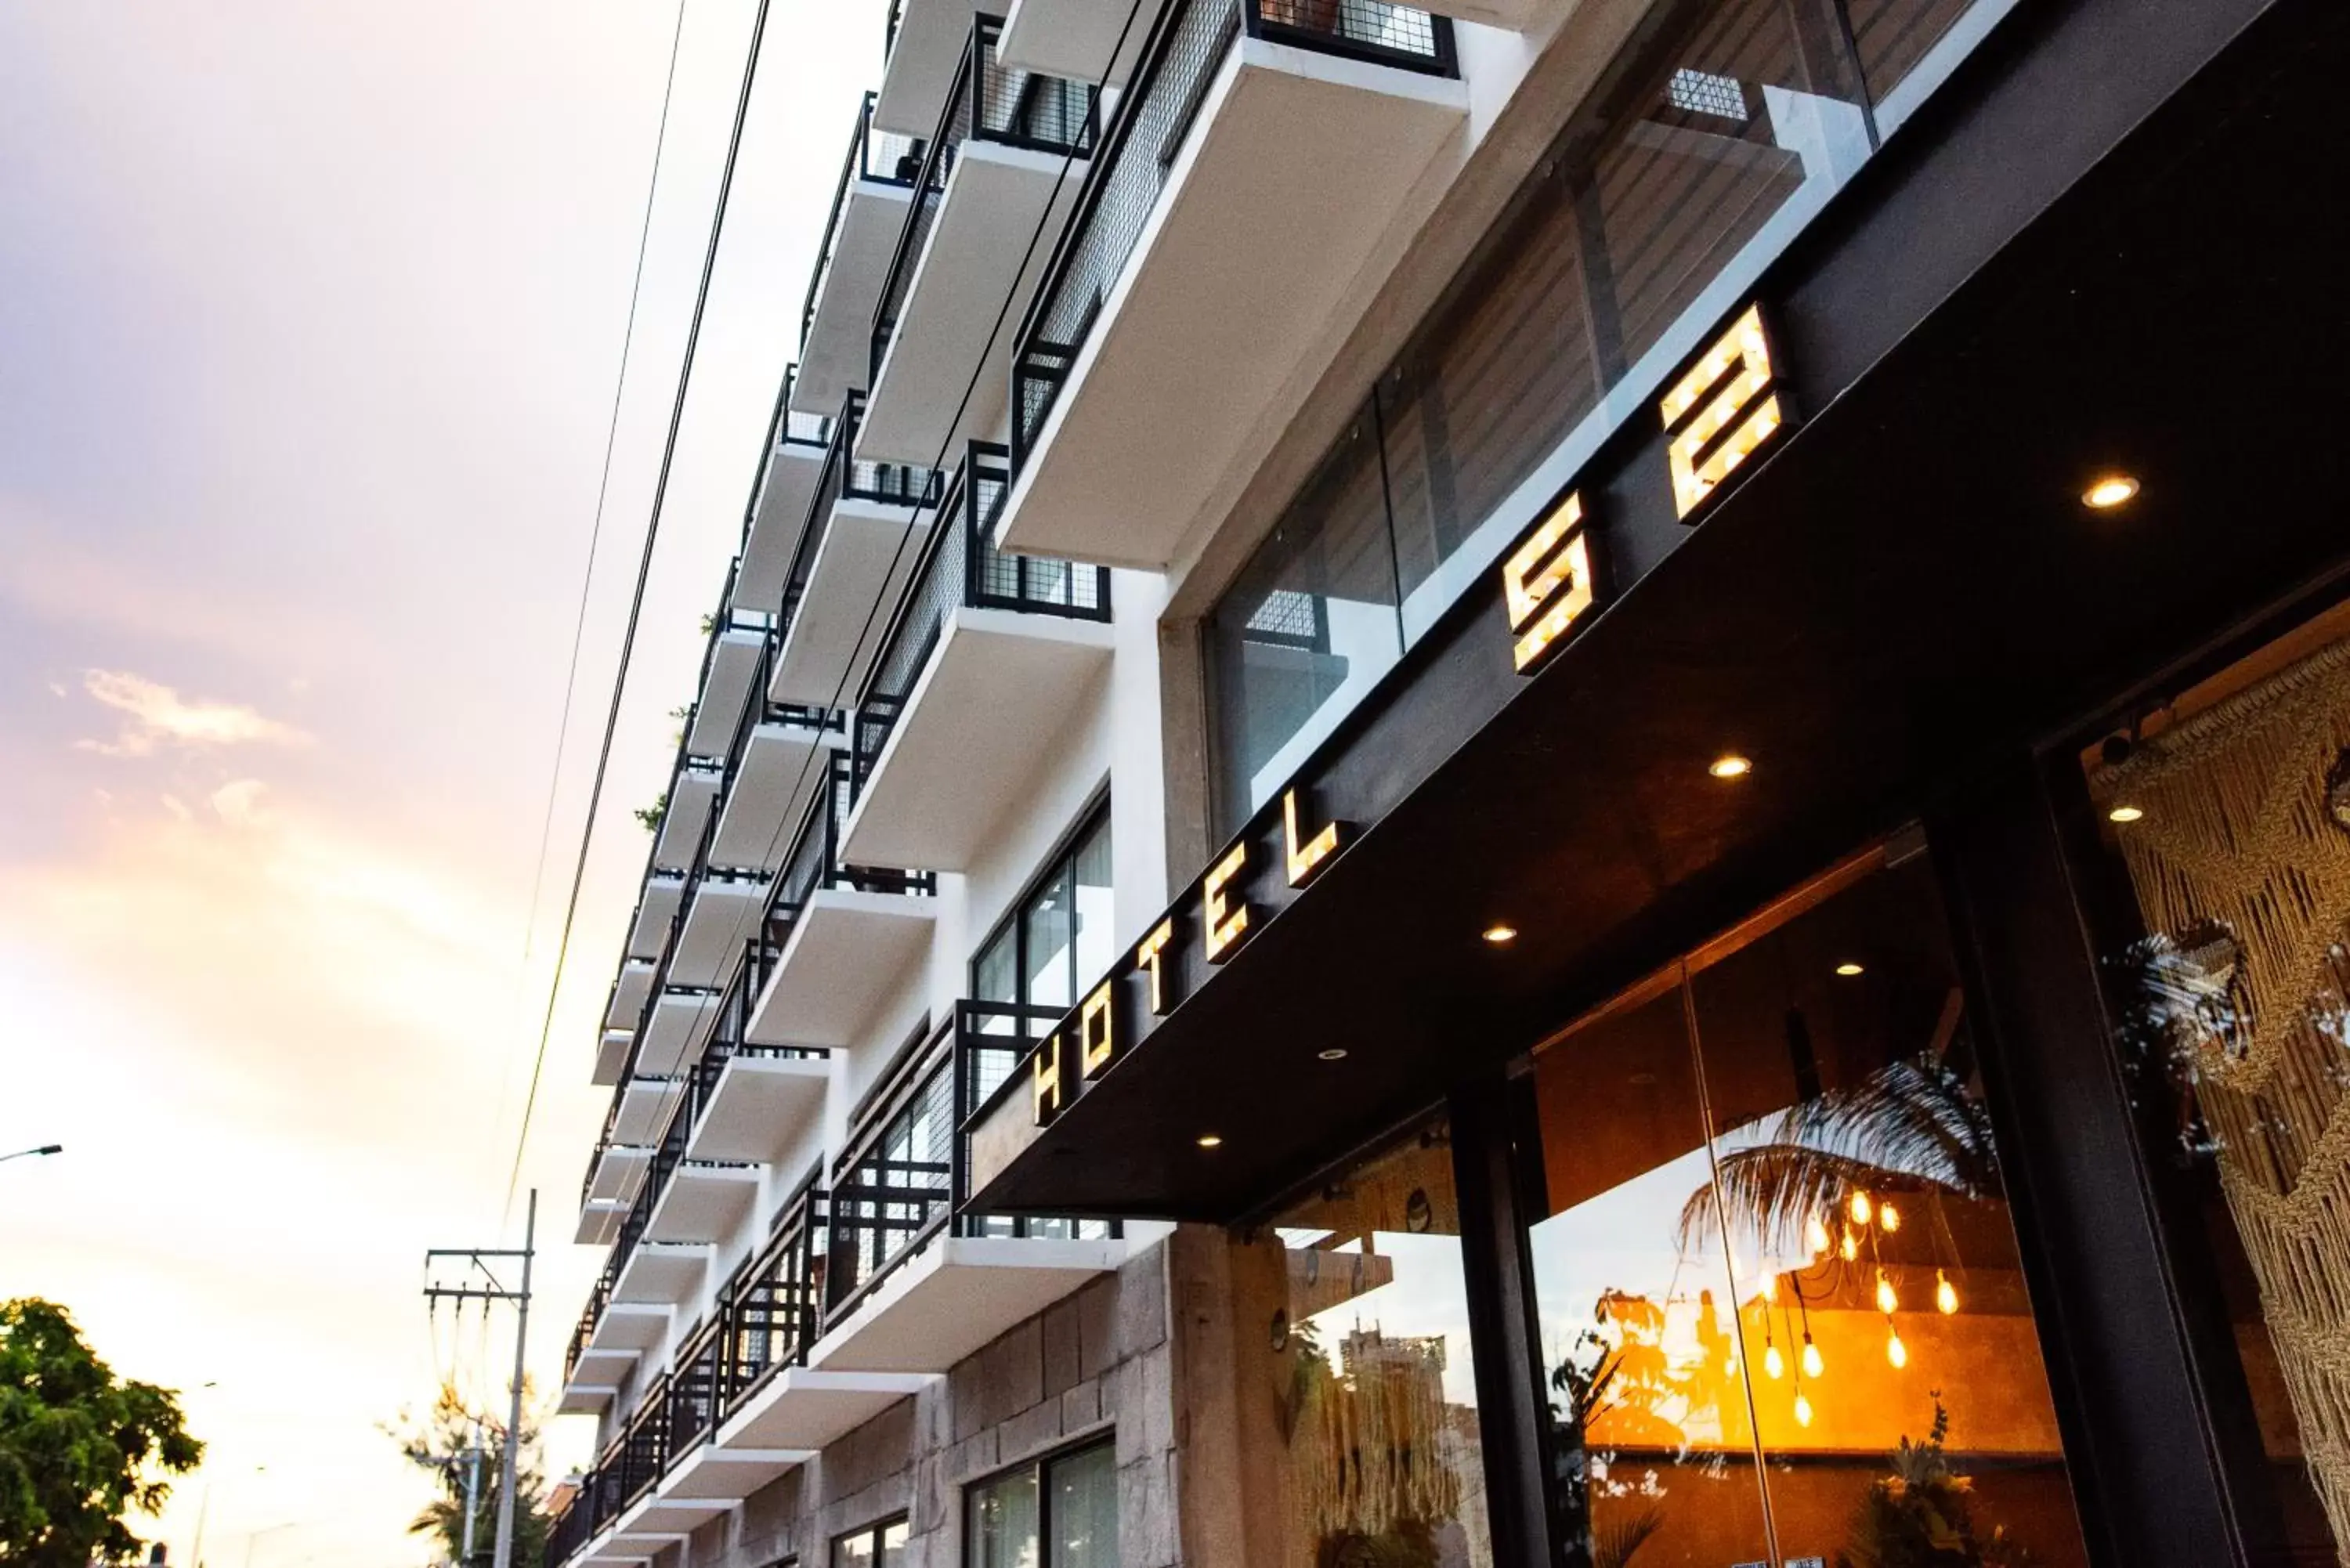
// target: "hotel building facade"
[[1548, 782]]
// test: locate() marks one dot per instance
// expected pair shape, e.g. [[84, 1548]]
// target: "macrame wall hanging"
[[2241, 867]]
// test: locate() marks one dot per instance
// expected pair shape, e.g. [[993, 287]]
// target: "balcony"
[[979, 671], [600, 1221], [776, 764], [868, 209], [865, 528], [611, 1056], [676, 1026], [639, 1110], [730, 665], [685, 811], [694, 1200], [724, 913], [778, 508], [912, 1283], [752, 1103], [624, 1008], [919, 52], [656, 910], [1260, 155], [617, 1170], [841, 933], [999, 164], [1079, 39]]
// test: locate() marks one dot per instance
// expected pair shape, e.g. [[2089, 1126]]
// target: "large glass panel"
[[995, 972], [1893, 36], [1085, 1508], [1306, 629], [1003, 1518], [892, 1554], [1858, 1183], [1779, 1291], [1653, 1437], [1095, 948], [1049, 924], [1369, 1370], [2229, 815]]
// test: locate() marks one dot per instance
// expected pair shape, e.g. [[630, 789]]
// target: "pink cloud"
[[154, 715]]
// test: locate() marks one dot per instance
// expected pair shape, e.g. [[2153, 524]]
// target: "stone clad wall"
[[1099, 1362]]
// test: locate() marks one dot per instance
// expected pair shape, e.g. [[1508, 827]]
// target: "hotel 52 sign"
[[1722, 410]]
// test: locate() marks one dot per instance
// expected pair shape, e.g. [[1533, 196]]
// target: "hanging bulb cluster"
[[1946, 1294], [1803, 1411], [1773, 1364], [1815, 1236], [1813, 1362], [1889, 1218], [1851, 1248], [1895, 1351], [1887, 1301], [1860, 1209]]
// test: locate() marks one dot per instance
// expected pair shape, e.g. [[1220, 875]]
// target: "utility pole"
[[472, 1491], [466, 1264]]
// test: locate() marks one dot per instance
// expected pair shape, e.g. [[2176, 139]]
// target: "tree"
[[79, 1447], [438, 1442]]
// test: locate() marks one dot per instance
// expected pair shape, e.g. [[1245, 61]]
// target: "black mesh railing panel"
[[873, 154], [693, 1388], [1371, 25]]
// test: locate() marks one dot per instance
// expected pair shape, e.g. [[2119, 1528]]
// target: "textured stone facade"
[[1099, 1364]]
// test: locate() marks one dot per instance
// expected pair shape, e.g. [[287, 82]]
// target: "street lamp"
[[45, 1148]]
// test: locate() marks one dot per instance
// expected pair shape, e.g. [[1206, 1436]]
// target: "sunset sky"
[[310, 318]]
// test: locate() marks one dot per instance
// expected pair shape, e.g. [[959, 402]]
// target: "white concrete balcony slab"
[[869, 211], [972, 257], [846, 951], [643, 1110], [676, 1030], [1074, 39], [759, 1106], [701, 1202], [998, 686], [726, 681], [664, 891], [692, 795], [1170, 358], [663, 1273], [771, 531], [624, 1331], [800, 1408], [783, 762], [581, 1397], [710, 1473], [631, 987], [867, 553], [600, 1221], [954, 1297], [724, 914], [611, 1056], [619, 1171], [924, 50]]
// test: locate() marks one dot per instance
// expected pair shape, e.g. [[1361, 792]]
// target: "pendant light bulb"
[[1812, 1365], [1851, 1246], [1770, 1287], [1946, 1294], [1815, 1235], [1889, 1218], [1887, 1302], [1773, 1364], [1861, 1208], [1803, 1411], [1895, 1351]]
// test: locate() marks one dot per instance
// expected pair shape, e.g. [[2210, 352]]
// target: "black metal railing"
[[989, 101], [961, 567], [881, 156], [643, 1448], [844, 478], [814, 863], [1146, 136], [729, 1034], [598, 1295], [905, 1173], [575, 1526], [795, 428], [773, 1302], [697, 1374]]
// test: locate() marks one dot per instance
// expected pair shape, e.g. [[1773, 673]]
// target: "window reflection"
[[1367, 1366], [1778, 1287]]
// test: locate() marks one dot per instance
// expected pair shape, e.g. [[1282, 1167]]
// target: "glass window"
[[875, 1546], [1068, 1503], [1778, 1287], [1366, 1363], [1059, 935], [2225, 822]]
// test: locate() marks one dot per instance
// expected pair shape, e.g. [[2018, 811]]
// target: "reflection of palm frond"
[[1613, 1543], [1910, 1126]]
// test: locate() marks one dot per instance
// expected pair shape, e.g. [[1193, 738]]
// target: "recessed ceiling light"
[[1732, 767], [1209, 1140], [1333, 1053], [1848, 969], [2109, 491], [2123, 814], [1500, 935]]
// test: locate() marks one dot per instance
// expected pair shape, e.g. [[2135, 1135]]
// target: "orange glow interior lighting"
[[2109, 491], [1500, 935], [1849, 969], [1209, 1140], [1732, 767], [2125, 814], [1333, 1053]]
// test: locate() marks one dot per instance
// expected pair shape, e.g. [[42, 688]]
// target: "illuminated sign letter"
[[1149, 957], [1045, 1079], [1227, 919], [1305, 858], [1097, 1034], [1718, 414], [1547, 583]]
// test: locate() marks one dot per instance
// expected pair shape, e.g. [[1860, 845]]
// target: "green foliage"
[[1922, 1515], [436, 1442], [651, 816], [79, 1449]]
